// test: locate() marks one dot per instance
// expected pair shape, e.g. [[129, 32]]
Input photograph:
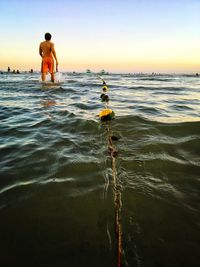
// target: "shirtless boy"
[[47, 52]]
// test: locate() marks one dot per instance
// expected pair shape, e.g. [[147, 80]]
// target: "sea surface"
[[64, 196]]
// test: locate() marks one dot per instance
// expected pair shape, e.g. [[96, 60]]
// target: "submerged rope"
[[117, 198], [116, 187]]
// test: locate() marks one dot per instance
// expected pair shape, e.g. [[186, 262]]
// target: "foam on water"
[[59, 78]]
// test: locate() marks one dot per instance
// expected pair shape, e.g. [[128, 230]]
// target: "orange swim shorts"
[[47, 65]]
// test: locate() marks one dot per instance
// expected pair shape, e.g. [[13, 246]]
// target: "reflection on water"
[[48, 103], [57, 203]]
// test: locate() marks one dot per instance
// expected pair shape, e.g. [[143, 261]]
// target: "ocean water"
[[65, 200]]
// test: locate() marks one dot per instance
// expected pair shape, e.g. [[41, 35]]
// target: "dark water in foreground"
[[56, 187]]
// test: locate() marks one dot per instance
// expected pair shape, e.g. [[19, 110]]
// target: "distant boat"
[[103, 72], [88, 71]]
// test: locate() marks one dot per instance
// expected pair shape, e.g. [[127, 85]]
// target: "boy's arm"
[[54, 54], [40, 50]]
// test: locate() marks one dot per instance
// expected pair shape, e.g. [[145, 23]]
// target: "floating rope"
[[106, 115]]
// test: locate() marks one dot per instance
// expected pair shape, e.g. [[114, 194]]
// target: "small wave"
[[16, 185], [180, 107]]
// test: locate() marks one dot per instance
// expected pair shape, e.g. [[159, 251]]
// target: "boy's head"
[[47, 36]]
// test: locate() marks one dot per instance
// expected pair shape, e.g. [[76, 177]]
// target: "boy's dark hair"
[[47, 36]]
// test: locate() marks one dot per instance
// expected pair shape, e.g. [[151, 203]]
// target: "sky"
[[118, 36]]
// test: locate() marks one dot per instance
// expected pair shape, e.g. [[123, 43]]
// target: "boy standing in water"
[[47, 52]]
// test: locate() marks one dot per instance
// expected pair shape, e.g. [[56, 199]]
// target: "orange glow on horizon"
[[112, 60]]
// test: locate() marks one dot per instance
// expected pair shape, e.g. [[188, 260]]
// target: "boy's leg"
[[51, 69], [43, 76], [52, 77]]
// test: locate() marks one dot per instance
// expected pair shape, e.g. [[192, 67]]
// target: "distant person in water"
[[8, 69], [47, 52]]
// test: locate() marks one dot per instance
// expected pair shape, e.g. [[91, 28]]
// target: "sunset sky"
[[118, 36]]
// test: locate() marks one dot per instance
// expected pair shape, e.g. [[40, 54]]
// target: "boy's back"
[[47, 48]]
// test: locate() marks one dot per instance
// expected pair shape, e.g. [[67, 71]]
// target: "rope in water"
[[116, 187], [117, 200]]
